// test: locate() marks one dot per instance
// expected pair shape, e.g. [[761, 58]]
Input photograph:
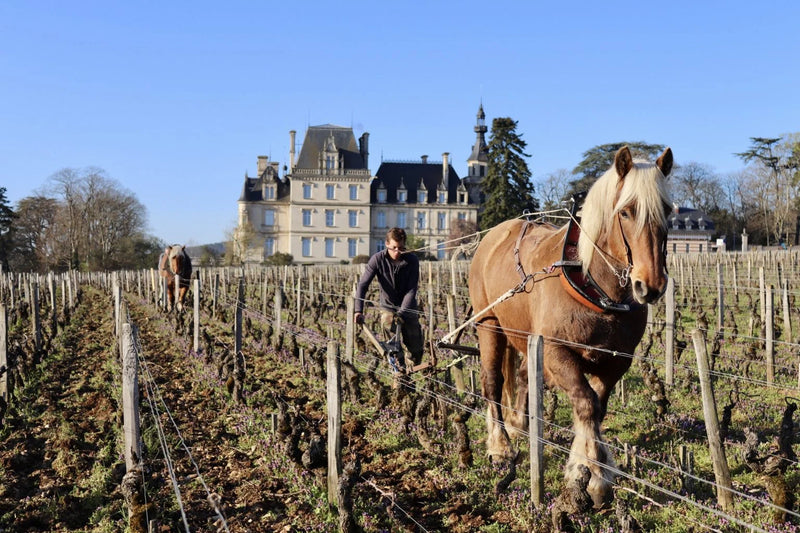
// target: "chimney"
[[424, 159], [292, 133], [363, 147], [262, 164], [445, 168]]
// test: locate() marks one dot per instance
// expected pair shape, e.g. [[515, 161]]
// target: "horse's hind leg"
[[493, 344]]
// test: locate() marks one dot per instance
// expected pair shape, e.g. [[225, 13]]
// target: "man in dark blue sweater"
[[398, 278]]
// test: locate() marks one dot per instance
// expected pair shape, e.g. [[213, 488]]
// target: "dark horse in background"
[[174, 261], [584, 287]]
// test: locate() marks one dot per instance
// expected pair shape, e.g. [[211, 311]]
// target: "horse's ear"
[[665, 162], [623, 162]]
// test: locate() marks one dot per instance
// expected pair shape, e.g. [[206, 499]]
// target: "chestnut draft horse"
[[174, 261], [583, 287]]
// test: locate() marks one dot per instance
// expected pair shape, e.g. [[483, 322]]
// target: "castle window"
[[401, 219], [352, 218], [329, 217], [306, 246], [269, 217], [306, 191], [354, 192], [269, 246], [330, 192], [381, 196], [381, 220], [401, 196], [306, 217], [269, 192], [352, 247], [328, 247]]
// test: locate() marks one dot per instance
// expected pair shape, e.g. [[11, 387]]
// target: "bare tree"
[[98, 223], [553, 189], [462, 234], [773, 188]]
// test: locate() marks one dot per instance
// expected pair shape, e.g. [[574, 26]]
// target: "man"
[[398, 278]]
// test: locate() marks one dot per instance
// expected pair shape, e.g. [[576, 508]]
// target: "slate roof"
[[253, 191], [689, 220], [318, 136], [391, 174]]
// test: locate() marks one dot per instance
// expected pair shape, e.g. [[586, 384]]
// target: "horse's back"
[[494, 267]]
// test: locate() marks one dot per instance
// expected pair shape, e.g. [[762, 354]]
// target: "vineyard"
[[234, 409]]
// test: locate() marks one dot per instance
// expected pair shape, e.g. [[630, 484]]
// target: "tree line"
[[79, 220]]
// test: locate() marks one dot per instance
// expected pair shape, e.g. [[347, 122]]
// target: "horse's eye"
[[624, 213]]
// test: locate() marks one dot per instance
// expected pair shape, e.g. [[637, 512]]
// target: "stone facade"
[[328, 208]]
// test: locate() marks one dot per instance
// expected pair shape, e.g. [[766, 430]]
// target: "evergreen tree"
[[600, 158], [6, 229], [507, 185]]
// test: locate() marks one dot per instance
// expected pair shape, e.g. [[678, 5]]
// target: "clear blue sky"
[[175, 100]]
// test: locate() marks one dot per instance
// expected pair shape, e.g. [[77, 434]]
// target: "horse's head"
[[627, 209]]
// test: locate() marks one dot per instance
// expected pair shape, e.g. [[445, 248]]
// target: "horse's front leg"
[[493, 345], [588, 447]]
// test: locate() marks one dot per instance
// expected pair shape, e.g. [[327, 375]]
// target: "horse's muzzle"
[[645, 294]]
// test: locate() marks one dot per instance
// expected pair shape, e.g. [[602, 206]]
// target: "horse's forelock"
[[645, 187]]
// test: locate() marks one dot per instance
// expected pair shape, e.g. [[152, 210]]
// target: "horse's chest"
[[610, 331]]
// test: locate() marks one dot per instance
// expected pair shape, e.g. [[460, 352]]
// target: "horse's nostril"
[[639, 288]]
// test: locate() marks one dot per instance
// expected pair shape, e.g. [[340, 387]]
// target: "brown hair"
[[397, 235]]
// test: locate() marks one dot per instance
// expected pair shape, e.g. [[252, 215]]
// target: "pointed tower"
[[478, 162]]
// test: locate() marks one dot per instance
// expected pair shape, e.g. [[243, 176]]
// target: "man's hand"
[[359, 318]]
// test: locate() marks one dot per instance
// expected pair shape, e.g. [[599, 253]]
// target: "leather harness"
[[582, 287]]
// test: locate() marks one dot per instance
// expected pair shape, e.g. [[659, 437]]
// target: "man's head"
[[396, 242]]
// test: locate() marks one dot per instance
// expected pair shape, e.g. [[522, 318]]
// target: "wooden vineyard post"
[[3, 355], [769, 316], [761, 299], [278, 309], [431, 326], [787, 320], [457, 370], [299, 298], [130, 400], [214, 291], [131, 429], [535, 409], [51, 287], [669, 341], [36, 320], [334, 423], [238, 360], [720, 300], [720, 463], [349, 329], [196, 307]]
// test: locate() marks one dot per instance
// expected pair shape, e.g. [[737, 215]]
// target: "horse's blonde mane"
[[644, 187]]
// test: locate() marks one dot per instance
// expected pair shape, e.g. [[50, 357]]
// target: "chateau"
[[329, 208]]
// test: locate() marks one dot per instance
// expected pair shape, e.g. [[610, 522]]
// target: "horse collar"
[[582, 287]]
